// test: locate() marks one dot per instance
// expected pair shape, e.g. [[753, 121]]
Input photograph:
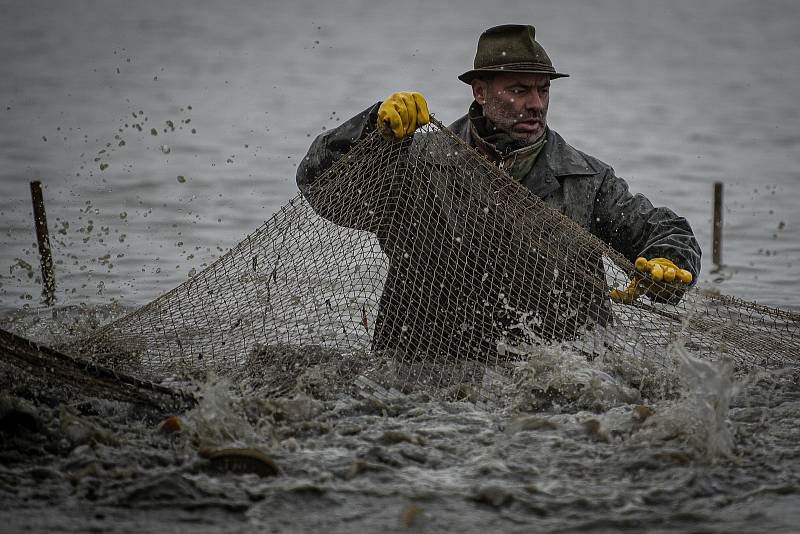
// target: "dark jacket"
[[580, 186]]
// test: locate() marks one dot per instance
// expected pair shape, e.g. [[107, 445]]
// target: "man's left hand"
[[659, 270]]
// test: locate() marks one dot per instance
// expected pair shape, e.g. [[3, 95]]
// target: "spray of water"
[[555, 377], [677, 399], [222, 418], [698, 420]]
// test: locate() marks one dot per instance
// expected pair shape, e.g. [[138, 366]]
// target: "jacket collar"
[[556, 160]]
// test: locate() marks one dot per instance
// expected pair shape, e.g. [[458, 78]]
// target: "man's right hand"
[[401, 114], [658, 269]]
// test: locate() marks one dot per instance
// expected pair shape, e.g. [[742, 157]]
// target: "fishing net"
[[419, 264], [48, 375]]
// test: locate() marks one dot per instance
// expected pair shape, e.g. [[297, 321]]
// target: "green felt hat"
[[510, 48]]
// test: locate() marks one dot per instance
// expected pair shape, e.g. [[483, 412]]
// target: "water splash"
[[686, 399], [60, 326], [711, 387], [699, 419], [221, 418], [556, 377]]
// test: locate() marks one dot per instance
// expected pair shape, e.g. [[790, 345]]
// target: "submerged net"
[[419, 264]]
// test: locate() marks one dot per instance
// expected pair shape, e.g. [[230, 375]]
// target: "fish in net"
[[419, 264]]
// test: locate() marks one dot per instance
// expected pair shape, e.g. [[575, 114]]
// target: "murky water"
[[164, 133], [574, 446]]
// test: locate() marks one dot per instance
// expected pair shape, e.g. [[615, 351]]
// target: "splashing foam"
[[58, 326], [690, 397], [698, 419], [221, 418], [555, 377]]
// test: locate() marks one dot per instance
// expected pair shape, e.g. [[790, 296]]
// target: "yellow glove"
[[658, 269], [402, 113]]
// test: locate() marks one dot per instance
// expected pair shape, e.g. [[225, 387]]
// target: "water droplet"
[[166, 149]]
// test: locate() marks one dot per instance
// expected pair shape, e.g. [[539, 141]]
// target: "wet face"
[[515, 102]]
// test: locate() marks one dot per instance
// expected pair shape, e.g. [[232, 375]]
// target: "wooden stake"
[[43, 237], [717, 233]]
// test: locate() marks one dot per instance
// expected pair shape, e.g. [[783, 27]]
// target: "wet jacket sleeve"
[[328, 147], [632, 226], [361, 199]]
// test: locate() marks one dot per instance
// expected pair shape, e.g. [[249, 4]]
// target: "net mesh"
[[419, 264]]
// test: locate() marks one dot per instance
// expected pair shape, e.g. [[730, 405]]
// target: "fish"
[[240, 461]]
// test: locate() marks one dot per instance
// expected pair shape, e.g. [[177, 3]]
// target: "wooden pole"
[[43, 237], [717, 233]]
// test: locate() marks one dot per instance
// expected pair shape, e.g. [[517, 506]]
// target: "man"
[[507, 123]]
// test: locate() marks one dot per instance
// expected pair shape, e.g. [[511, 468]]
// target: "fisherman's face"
[[515, 102]]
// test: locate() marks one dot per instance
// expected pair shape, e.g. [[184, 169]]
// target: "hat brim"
[[470, 75]]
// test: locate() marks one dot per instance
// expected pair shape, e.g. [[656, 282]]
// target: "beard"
[[507, 119]]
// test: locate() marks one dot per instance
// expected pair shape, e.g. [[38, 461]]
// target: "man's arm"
[[632, 226], [399, 116], [357, 199], [365, 198], [328, 147]]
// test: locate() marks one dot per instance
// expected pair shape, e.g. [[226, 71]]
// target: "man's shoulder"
[[433, 145], [567, 160], [460, 127]]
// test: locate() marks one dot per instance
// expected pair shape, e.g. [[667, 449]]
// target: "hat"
[[510, 48]]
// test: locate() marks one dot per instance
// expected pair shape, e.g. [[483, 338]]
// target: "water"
[[715, 455], [674, 96]]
